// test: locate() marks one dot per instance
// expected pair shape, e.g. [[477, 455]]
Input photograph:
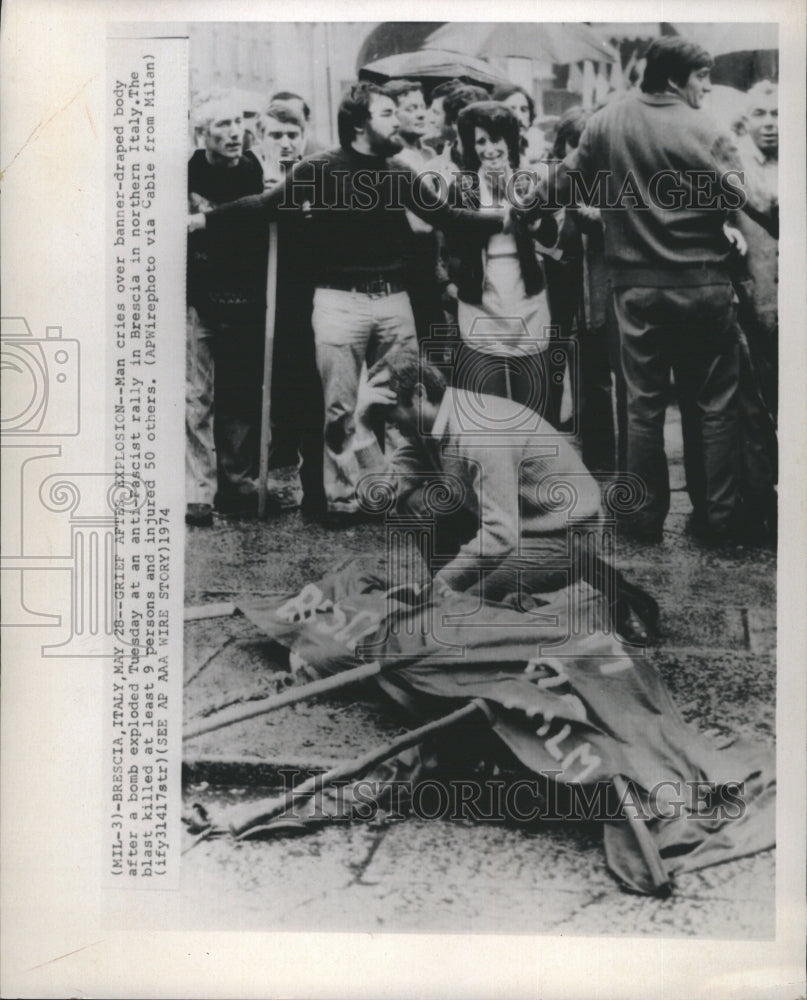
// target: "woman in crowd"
[[503, 312], [531, 139]]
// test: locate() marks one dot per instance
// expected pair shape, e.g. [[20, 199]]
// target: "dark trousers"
[[534, 380], [238, 353], [691, 332], [297, 408], [424, 291]]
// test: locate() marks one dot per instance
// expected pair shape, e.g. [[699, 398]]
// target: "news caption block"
[[148, 148]]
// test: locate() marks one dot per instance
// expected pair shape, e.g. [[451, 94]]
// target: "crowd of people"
[[451, 270]]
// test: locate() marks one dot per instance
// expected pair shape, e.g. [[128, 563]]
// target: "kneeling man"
[[522, 502]]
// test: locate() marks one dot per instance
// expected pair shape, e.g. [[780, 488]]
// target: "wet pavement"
[[716, 656]]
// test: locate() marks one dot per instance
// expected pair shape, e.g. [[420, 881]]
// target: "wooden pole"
[[290, 697], [244, 818], [268, 351], [200, 612]]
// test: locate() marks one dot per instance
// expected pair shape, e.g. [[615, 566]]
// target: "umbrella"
[[559, 44], [432, 65], [720, 39], [726, 105]]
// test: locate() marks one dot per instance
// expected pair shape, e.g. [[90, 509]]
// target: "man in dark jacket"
[[226, 299], [665, 179]]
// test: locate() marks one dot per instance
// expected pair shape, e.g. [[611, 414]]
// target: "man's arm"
[[259, 209], [431, 203], [406, 465], [493, 478]]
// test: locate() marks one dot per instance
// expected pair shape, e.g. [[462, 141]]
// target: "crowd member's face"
[[412, 113], [224, 137], [763, 123], [697, 86], [381, 128], [520, 107], [492, 153], [437, 119], [283, 141]]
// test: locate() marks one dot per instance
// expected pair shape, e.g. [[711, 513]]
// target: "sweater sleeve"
[[430, 204], [259, 209], [405, 467], [497, 492]]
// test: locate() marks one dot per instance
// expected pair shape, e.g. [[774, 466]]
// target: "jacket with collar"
[[465, 257]]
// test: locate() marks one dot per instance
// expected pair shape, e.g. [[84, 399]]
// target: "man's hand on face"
[[373, 391], [736, 239]]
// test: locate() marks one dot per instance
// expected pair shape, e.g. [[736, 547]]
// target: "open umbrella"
[[559, 44], [432, 65], [720, 39]]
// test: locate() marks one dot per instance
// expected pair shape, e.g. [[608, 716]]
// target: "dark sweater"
[[354, 209], [226, 275], [641, 136]]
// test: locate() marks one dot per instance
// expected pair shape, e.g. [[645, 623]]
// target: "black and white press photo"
[[481, 477], [403, 560]]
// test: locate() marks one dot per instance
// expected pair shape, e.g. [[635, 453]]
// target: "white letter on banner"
[[302, 606], [589, 760]]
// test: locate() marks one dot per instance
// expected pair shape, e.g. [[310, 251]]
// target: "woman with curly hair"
[[503, 312]]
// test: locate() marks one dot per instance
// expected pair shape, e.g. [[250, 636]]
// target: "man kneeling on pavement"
[[525, 502]]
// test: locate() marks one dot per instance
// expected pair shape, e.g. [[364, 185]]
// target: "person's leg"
[[393, 325], [285, 392], [644, 330], [239, 376], [706, 369], [614, 347], [530, 381], [342, 326], [200, 448], [596, 412], [309, 417], [758, 453], [479, 372]]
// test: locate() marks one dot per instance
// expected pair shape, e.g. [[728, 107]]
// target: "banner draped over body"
[[568, 698]]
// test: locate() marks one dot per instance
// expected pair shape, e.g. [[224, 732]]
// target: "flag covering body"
[[567, 697]]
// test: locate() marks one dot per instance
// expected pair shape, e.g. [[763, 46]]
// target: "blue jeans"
[[351, 329]]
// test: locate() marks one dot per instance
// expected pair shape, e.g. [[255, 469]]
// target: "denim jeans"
[[223, 375], [350, 329]]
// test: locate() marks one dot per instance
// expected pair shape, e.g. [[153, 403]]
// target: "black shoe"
[[199, 515], [237, 504], [313, 511]]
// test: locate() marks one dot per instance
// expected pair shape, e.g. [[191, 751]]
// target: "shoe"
[[313, 511], [237, 504], [199, 515]]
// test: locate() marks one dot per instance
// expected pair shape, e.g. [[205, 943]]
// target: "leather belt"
[[367, 286]]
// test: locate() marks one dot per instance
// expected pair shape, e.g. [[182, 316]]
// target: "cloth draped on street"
[[570, 701]]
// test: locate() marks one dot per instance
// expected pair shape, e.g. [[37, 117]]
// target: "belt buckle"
[[377, 286]]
